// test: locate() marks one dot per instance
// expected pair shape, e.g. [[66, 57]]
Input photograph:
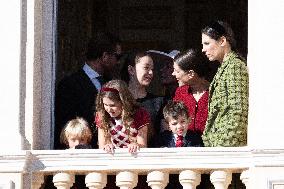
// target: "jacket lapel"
[[172, 141], [187, 140], [219, 73]]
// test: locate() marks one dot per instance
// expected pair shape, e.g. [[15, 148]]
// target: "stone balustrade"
[[156, 164], [189, 179]]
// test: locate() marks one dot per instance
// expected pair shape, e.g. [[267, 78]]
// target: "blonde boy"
[[76, 133]]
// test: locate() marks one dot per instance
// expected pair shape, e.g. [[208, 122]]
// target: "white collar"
[[90, 72], [175, 135]]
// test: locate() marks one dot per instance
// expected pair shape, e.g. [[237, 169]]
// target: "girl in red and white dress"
[[121, 122]]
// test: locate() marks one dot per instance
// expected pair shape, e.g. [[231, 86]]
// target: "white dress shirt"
[[92, 74]]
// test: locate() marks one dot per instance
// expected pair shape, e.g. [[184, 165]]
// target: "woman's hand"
[[109, 148], [133, 147]]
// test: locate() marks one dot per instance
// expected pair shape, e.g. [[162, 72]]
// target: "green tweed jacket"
[[228, 105]]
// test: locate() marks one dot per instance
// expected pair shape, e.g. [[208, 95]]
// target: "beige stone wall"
[[11, 181], [10, 75], [266, 74], [267, 177]]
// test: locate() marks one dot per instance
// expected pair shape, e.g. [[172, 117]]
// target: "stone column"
[[10, 38], [189, 179], [126, 180], [265, 25], [266, 74], [37, 180], [221, 179], [63, 180], [26, 96], [157, 179], [96, 180]]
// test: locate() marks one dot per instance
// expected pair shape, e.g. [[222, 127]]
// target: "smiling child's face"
[[113, 108]]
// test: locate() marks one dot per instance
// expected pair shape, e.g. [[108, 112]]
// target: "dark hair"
[[217, 29], [131, 59], [174, 109], [99, 44], [193, 60]]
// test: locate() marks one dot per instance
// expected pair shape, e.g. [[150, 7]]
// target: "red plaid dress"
[[119, 136]]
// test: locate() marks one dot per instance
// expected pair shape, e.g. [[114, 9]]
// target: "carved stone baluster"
[[63, 180], [245, 177], [126, 180], [189, 179], [157, 179], [221, 179], [37, 180], [96, 180]]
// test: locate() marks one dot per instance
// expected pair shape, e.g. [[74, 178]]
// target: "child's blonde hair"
[[78, 128]]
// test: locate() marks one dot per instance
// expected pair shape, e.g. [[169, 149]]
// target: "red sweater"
[[198, 111]]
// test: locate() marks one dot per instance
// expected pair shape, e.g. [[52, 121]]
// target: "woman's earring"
[[191, 73]]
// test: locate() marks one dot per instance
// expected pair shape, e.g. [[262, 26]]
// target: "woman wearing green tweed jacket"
[[228, 93]]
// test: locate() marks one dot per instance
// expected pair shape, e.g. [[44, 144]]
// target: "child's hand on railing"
[[109, 148], [133, 147]]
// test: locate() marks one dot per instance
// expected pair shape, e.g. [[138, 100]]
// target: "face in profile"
[[166, 74], [180, 75], [113, 108], [109, 61], [211, 48], [179, 126], [144, 70]]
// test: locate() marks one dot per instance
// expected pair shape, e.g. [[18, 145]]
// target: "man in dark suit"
[[76, 94]]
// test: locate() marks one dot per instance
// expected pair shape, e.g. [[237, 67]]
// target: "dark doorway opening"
[[158, 24]]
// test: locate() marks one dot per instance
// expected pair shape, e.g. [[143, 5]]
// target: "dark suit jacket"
[[75, 96], [167, 139]]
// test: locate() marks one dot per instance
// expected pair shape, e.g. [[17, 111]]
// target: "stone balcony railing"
[[157, 164]]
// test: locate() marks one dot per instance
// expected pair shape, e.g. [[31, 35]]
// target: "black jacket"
[[75, 97], [167, 139]]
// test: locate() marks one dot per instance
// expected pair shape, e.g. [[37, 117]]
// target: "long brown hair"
[[117, 91]]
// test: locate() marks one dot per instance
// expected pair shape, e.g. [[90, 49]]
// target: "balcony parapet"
[[172, 159], [156, 163], [14, 162]]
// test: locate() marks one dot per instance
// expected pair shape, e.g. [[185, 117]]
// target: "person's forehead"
[[74, 136], [109, 100], [145, 59]]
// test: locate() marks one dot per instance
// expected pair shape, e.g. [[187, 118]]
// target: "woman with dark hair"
[[191, 68], [138, 73], [228, 94]]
